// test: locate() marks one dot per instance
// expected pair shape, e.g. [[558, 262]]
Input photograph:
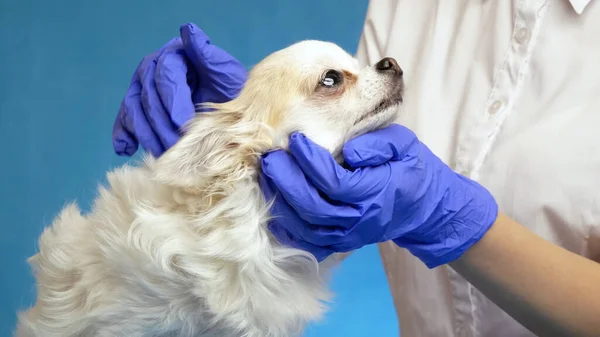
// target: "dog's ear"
[[227, 141], [220, 145], [207, 141]]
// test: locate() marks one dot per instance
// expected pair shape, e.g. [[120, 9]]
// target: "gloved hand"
[[166, 87], [396, 189]]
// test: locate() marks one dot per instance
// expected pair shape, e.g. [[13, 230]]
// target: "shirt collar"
[[579, 5]]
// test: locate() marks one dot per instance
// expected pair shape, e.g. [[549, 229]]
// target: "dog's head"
[[313, 87], [318, 89]]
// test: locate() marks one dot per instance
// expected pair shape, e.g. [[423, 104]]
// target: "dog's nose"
[[389, 64]]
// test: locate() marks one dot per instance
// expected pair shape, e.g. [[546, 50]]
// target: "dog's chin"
[[382, 116]]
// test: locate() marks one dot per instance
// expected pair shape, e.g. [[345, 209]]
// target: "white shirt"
[[506, 92]]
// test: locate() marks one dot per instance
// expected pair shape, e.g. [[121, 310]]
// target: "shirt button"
[[495, 107], [522, 35]]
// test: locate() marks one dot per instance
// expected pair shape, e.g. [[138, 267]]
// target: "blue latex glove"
[[395, 189], [166, 87]]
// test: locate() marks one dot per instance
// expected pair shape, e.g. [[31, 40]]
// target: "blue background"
[[64, 68]]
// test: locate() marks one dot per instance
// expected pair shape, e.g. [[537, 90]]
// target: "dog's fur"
[[179, 246]]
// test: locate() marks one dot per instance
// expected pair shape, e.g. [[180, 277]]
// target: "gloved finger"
[[286, 220], [216, 68], [375, 148], [155, 112], [288, 227], [287, 239], [302, 196], [124, 143], [331, 178], [131, 118], [134, 119], [172, 86]]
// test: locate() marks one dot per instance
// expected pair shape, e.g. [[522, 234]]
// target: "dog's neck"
[[212, 172], [212, 175]]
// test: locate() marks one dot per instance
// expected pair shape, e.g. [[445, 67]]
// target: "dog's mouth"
[[389, 102]]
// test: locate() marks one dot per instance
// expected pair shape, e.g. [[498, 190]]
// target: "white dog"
[[179, 246]]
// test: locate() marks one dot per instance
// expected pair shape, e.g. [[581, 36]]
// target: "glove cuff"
[[458, 232]]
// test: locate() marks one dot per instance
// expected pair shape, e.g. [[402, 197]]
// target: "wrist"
[[462, 217]]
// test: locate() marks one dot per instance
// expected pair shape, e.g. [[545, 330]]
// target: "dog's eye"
[[331, 78]]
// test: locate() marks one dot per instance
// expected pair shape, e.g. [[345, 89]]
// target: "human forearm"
[[550, 290], [399, 189]]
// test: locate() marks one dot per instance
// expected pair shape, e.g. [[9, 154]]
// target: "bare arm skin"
[[548, 289]]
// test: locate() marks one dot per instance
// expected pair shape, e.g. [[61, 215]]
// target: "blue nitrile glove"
[[396, 189], [166, 87]]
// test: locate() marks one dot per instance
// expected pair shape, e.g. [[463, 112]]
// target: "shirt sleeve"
[[376, 31]]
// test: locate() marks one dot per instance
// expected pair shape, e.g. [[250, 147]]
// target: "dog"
[[179, 245]]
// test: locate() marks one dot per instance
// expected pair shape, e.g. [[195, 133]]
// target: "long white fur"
[[179, 246]]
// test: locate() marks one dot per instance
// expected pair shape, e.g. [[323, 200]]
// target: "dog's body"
[[179, 246]]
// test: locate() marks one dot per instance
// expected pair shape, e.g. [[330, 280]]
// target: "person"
[[493, 227]]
